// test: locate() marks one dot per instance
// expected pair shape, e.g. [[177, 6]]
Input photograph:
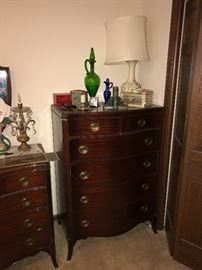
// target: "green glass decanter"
[[91, 80]]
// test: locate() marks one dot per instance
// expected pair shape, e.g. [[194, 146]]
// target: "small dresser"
[[109, 169], [26, 219]]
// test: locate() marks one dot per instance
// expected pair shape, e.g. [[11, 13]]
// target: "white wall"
[[45, 43]]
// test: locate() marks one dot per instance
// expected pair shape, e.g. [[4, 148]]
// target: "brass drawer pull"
[[28, 223], [145, 186], [95, 127], [84, 199], [144, 208], [26, 201], [148, 141], [83, 149], [147, 163], [141, 122], [84, 175], [23, 182], [85, 223], [29, 242]]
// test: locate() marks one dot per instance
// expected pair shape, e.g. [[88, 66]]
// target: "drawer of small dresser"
[[24, 246], [24, 180], [136, 122], [93, 125], [118, 194], [19, 202], [115, 146], [113, 221], [27, 222], [91, 172]]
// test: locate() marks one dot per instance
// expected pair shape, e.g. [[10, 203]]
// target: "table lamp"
[[126, 42]]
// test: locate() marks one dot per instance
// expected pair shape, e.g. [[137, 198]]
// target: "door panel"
[[184, 207]]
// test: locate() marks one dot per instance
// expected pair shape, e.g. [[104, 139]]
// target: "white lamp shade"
[[126, 39]]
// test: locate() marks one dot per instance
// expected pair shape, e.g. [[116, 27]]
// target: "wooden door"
[[184, 205]]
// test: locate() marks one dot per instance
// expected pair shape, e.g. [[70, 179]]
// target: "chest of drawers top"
[[100, 122]]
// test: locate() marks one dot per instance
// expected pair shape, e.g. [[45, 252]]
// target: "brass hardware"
[[85, 223], [84, 175], [84, 199], [148, 141], [83, 149], [26, 201], [29, 242], [144, 208], [23, 181], [95, 127], [141, 122], [28, 223], [147, 163], [145, 186]]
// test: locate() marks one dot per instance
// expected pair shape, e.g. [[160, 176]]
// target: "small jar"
[[115, 97]]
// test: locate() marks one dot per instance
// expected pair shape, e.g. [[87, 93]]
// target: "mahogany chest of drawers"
[[26, 220], [110, 168]]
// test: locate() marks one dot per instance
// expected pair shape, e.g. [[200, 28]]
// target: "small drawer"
[[20, 224], [22, 201], [22, 180], [24, 246], [142, 121], [93, 125]]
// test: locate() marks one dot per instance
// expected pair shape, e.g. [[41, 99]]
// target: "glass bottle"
[[91, 80], [107, 92]]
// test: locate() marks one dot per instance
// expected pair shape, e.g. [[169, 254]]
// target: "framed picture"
[[5, 84]]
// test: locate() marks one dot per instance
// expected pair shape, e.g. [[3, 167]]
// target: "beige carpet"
[[138, 249]]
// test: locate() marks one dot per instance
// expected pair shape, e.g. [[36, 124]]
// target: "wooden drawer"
[[135, 122], [91, 172], [115, 146], [110, 221], [112, 196], [27, 222], [24, 180], [93, 125], [24, 246], [19, 202]]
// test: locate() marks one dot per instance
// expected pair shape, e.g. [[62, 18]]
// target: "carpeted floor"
[[138, 249]]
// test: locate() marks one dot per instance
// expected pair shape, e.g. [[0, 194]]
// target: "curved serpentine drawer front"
[[115, 146], [92, 172]]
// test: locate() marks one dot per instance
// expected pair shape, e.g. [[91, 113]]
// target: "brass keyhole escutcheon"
[[83, 149], [26, 201], [147, 163], [84, 199], [28, 223], [95, 127], [23, 182], [144, 208], [85, 223], [141, 122], [148, 141], [84, 175], [145, 186], [29, 242]]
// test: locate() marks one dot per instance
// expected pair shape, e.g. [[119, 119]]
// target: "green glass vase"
[[91, 80]]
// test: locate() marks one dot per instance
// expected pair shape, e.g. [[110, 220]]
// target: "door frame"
[[169, 104]]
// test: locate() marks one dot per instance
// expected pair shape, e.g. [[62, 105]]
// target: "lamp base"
[[132, 87]]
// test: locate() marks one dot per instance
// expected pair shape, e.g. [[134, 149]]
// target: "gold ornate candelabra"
[[20, 123]]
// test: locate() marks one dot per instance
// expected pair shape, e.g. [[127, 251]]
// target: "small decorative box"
[[61, 98], [76, 97], [139, 100]]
